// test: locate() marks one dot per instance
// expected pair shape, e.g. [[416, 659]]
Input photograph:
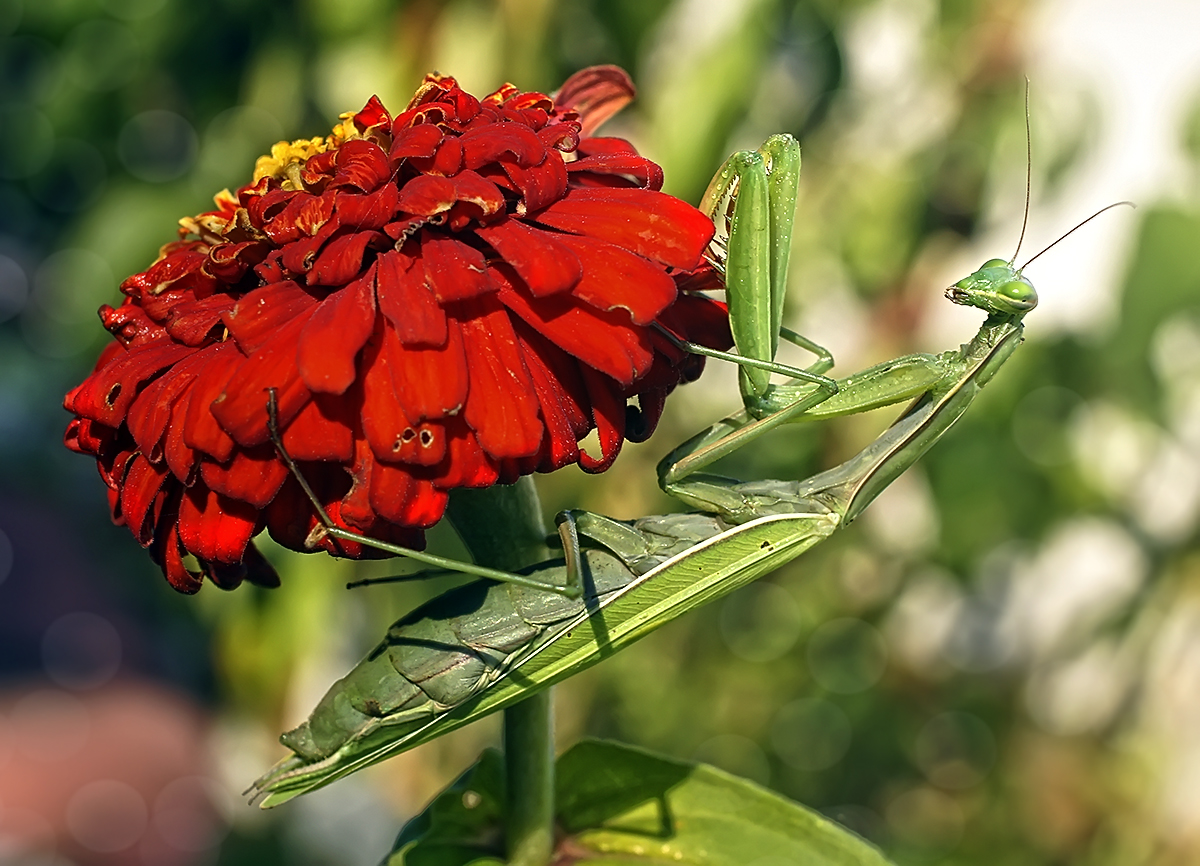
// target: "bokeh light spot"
[[192, 814], [955, 750], [811, 734], [27, 142], [100, 55], [26, 838], [926, 821], [1040, 423], [106, 816], [846, 656], [157, 146], [72, 179], [48, 725], [14, 288], [760, 623], [71, 284], [735, 754], [81, 650], [29, 67]]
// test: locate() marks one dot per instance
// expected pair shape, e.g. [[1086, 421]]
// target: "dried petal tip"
[[453, 297]]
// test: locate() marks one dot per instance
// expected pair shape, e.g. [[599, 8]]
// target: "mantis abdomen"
[[454, 647]]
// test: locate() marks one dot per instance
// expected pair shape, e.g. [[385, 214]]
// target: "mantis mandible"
[[486, 645]]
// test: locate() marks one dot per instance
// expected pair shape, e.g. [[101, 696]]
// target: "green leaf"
[[617, 804], [462, 826]]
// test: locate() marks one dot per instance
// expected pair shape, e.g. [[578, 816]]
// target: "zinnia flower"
[[453, 297]]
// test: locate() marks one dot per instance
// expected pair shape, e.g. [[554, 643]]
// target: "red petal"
[[362, 164], [214, 527], [323, 430], [372, 211], [303, 216], [454, 271], [260, 314], [606, 341], [541, 184], [466, 464], [597, 93], [615, 279], [241, 408], [608, 412], [341, 260], [181, 459], [502, 406], [200, 429], [253, 477], [420, 140], [545, 265], [139, 489], [191, 322], [384, 422], [472, 187], [408, 302], [429, 383], [616, 169], [106, 395], [151, 411], [399, 498], [427, 195], [651, 224], [564, 424], [491, 142], [372, 114], [339, 327], [171, 562]]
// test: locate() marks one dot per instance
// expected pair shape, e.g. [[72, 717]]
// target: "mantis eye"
[[1018, 294]]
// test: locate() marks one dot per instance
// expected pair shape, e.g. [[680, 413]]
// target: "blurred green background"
[[1000, 664]]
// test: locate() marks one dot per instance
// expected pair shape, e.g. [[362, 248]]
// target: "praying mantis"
[[488, 644]]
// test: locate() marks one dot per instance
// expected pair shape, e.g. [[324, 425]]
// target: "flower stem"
[[502, 526]]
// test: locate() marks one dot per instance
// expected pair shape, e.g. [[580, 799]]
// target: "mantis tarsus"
[[488, 644]]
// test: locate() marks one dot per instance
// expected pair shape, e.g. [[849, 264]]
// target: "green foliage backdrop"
[[999, 665]]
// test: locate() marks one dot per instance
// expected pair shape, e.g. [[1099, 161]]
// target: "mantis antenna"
[[1074, 229], [1028, 175]]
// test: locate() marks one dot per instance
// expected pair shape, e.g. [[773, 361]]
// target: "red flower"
[[450, 298]]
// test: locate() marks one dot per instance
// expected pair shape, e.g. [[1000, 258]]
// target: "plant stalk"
[[502, 527]]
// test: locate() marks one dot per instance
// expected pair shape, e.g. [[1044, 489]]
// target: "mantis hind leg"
[[439, 563]]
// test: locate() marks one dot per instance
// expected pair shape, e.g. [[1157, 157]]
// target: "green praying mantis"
[[488, 644]]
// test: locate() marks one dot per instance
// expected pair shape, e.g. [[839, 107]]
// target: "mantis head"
[[997, 288]]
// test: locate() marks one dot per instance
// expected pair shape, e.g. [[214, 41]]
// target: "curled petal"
[[608, 412], [616, 279], [493, 143], [361, 164], [651, 224], [596, 93], [214, 527], [426, 195]]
